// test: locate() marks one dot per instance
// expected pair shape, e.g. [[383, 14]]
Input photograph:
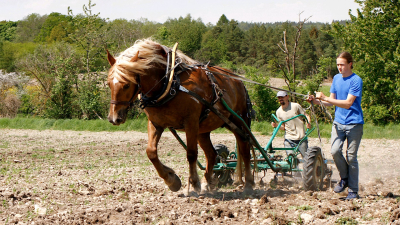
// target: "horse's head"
[[124, 89], [124, 76]]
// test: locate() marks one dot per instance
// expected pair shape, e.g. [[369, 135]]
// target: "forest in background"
[[55, 65]]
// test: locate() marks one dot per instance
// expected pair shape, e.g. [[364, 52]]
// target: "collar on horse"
[[171, 81]]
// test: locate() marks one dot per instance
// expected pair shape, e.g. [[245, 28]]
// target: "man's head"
[[344, 63], [283, 98]]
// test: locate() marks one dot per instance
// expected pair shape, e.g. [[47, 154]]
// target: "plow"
[[314, 170]]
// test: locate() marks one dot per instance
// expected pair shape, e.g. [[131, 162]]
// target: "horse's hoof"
[[176, 185], [248, 190], [197, 187]]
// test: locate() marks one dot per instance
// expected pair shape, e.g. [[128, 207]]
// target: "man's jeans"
[[292, 144], [348, 168]]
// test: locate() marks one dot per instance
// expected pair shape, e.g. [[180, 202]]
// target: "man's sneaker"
[[352, 195], [341, 186]]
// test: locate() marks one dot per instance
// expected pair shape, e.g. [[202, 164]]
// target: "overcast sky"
[[208, 10]]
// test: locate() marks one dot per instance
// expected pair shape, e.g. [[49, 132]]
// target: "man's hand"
[[310, 98], [273, 124], [320, 95], [308, 125]]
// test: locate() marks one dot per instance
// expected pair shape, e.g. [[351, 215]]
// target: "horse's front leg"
[[168, 174], [191, 130]]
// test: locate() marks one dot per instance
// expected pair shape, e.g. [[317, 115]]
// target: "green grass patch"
[[346, 221], [390, 131], [139, 124]]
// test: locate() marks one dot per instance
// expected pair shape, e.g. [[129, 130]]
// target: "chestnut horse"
[[141, 69]]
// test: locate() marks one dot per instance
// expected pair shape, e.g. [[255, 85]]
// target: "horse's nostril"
[[110, 120]]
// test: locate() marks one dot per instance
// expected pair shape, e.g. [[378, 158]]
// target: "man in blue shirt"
[[346, 92]]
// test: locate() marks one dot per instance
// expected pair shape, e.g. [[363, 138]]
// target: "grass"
[[390, 131], [31, 123]]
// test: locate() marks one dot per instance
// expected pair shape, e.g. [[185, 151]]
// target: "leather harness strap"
[[230, 124]]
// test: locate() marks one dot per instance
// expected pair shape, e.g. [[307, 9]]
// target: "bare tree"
[[289, 67]]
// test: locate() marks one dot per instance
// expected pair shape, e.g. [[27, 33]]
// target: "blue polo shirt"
[[341, 87]]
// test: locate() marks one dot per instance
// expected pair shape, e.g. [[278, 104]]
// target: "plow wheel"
[[313, 169], [224, 177]]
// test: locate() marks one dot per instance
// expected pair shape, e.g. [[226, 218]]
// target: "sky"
[[208, 10]]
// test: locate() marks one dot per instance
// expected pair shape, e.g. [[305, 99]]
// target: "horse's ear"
[[135, 58], [110, 58]]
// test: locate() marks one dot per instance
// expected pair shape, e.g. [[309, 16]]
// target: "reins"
[[238, 77]]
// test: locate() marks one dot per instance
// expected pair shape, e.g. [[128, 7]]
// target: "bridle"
[[167, 72], [129, 103]]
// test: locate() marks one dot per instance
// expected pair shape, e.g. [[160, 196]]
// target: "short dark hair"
[[347, 56]]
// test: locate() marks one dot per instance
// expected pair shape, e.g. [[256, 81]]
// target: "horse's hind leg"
[[205, 143], [244, 151], [191, 153], [168, 174]]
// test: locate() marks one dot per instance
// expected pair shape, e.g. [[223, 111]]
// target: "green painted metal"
[[287, 165], [255, 142], [173, 131]]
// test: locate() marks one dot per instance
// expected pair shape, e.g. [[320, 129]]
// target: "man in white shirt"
[[294, 129]]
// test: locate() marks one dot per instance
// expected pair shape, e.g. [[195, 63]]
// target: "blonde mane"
[[123, 69]]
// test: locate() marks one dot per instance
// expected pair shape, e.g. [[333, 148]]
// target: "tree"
[[29, 27], [288, 68], [373, 38], [90, 36], [222, 42], [10, 52], [55, 68], [121, 34], [7, 30], [263, 99], [187, 31], [56, 27], [307, 58]]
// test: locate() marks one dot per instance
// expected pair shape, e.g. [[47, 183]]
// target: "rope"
[[237, 77]]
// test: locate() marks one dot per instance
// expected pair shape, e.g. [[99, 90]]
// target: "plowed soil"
[[69, 177]]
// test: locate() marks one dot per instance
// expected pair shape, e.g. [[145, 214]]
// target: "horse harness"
[[176, 86]]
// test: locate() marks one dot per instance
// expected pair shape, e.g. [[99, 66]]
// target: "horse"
[[139, 72]]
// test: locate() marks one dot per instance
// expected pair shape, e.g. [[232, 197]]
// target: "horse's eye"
[[126, 86]]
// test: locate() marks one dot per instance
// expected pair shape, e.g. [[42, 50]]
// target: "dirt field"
[[66, 177]]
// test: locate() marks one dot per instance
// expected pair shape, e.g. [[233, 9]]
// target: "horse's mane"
[[123, 69]]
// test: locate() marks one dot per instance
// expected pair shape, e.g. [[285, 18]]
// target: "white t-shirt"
[[294, 129]]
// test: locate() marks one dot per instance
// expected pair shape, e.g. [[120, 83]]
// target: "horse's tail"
[[251, 113]]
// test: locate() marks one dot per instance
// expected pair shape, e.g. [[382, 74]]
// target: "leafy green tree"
[[187, 31], [121, 34], [29, 27], [307, 57], [90, 36], [147, 28], [222, 42], [7, 30], [262, 98], [373, 38], [264, 101], [62, 103], [56, 27], [10, 52], [55, 68]]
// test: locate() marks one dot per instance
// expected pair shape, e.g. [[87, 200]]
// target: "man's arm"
[[309, 121], [273, 124], [331, 100]]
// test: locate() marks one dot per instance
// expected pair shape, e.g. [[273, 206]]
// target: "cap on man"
[[281, 94]]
